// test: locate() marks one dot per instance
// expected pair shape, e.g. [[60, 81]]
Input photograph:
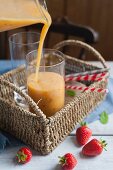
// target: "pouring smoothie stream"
[[20, 13]]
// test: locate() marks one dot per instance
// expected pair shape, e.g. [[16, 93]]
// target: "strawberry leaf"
[[104, 118], [70, 93]]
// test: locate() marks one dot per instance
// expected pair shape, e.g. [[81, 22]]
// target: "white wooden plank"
[[98, 128], [50, 162]]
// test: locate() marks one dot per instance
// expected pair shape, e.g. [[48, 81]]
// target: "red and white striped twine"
[[92, 89], [94, 77]]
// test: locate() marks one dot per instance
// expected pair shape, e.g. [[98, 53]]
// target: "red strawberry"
[[68, 161], [24, 155], [94, 147], [83, 134]]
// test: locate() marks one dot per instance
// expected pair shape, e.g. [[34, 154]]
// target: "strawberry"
[[24, 155], [68, 161], [94, 147], [83, 134]]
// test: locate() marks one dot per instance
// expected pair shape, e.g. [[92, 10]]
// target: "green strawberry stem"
[[103, 144], [83, 124], [62, 160], [21, 156]]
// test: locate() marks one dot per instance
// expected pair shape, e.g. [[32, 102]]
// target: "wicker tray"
[[41, 133]]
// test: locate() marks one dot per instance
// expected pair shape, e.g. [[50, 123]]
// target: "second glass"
[[20, 45], [47, 88]]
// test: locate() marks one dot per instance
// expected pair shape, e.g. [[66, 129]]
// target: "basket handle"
[[83, 45], [30, 101]]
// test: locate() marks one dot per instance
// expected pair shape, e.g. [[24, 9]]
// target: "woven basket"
[[41, 133]]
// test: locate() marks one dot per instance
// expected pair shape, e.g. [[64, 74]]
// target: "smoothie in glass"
[[48, 90]]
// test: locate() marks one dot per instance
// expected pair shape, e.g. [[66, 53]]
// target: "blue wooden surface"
[[5, 66]]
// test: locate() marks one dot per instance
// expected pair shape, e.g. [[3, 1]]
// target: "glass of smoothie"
[[46, 84]]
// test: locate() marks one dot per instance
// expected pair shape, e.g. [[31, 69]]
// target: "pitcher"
[[19, 13]]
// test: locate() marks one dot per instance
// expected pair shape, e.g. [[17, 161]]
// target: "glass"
[[20, 45], [47, 88]]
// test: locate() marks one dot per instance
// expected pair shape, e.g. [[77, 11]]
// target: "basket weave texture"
[[42, 133]]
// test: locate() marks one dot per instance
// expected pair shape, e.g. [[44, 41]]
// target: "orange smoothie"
[[48, 91]]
